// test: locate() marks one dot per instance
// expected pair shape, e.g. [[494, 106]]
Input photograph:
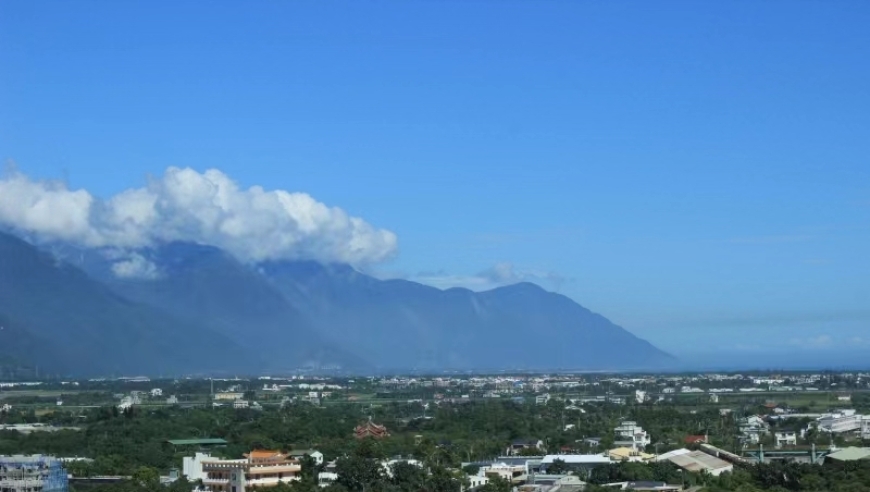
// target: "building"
[[370, 429], [695, 439], [697, 461], [753, 428], [542, 399], [640, 396], [785, 438], [517, 447], [629, 454], [35, 473], [841, 421], [229, 396], [240, 404], [511, 473], [628, 433], [582, 463], [849, 454], [5, 408], [156, 392], [257, 470], [300, 453]]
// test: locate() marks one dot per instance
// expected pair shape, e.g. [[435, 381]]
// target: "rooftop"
[[850, 454], [698, 461]]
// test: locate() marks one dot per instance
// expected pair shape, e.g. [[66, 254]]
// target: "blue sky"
[[697, 172]]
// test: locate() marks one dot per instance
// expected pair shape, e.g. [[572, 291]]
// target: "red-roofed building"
[[695, 439], [370, 429]]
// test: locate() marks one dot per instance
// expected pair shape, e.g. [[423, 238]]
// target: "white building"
[[300, 453], [840, 421], [511, 473], [5, 408], [241, 404], [753, 428], [542, 399], [628, 433], [640, 396], [785, 438], [156, 392]]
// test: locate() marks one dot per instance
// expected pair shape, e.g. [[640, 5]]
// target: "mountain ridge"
[[286, 315]]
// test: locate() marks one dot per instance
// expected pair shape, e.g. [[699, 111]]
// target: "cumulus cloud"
[[254, 224], [498, 275]]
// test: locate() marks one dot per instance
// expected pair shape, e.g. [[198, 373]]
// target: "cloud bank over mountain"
[[253, 224]]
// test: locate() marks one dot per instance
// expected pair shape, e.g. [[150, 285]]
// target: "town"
[[547, 433]]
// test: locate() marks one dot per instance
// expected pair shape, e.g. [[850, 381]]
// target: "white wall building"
[[628, 433], [841, 421], [785, 438]]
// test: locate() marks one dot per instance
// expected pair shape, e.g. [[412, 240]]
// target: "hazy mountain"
[[54, 315], [403, 324], [207, 285], [201, 309]]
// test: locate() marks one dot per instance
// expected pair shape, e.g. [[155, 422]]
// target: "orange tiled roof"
[[263, 453]]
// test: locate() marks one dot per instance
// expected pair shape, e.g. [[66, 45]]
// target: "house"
[[156, 392], [542, 399], [240, 404], [475, 481], [785, 438], [753, 428], [172, 400], [640, 396], [628, 433], [519, 445], [300, 453], [6, 408]]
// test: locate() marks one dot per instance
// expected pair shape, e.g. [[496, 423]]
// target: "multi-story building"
[[35, 473], [629, 434], [259, 469], [785, 438]]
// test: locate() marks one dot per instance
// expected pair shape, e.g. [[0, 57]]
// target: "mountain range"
[[64, 309]]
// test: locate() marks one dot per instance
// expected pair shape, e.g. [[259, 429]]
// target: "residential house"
[[517, 447], [785, 438], [753, 428], [300, 453]]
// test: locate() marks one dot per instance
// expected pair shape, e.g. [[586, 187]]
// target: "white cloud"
[[136, 266], [498, 275], [254, 224]]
